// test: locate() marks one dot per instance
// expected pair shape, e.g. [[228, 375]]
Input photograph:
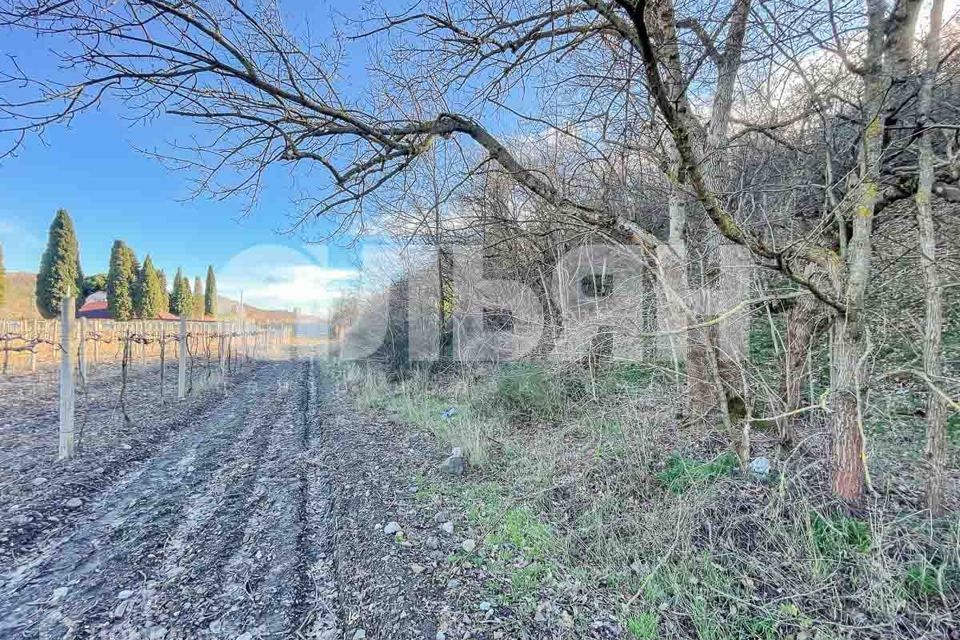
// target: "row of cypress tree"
[[133, 290]]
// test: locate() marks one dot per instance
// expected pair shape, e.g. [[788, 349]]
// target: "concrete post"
[[182, 373], [82, 352], [67, 400]]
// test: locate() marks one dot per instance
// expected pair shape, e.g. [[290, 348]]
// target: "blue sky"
[[93, 170], [113, 191]]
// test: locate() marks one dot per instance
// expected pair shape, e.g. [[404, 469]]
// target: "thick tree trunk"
[[849, 461], [715, 358], [848, 446]]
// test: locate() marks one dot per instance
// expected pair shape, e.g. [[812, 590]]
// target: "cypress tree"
[[210, 296], [173, 291], [181, 300], [60, 271], [122, 281], [197, 298], [150, 297], [3, 279], [164, 290]]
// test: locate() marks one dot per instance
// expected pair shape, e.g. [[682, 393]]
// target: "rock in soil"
[[455, 464], [392, 528]]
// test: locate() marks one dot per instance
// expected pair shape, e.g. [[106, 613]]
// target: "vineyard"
[[206, 354], [29, 345], [157, 485]]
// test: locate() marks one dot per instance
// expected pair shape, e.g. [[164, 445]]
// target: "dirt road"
[[221, 532], [264, 508]]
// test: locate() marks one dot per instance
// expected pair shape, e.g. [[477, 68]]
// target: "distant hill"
[[227, 310], [21, 295], [20, 303]]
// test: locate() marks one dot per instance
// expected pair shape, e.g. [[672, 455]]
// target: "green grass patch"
[[644, 626], [521, 529], [682, 473], [761, 342], [633, 378], [511, 529], [763, 628], [837, 535], [635, 374], [929, 580], [519, 547], [707, 592], [525, 581], [529, 387], [953, 429], [923, 580]]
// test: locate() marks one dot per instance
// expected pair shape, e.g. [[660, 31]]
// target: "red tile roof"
[[98, 310]]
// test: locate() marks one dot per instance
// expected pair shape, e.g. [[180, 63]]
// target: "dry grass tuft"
[[588, 480]]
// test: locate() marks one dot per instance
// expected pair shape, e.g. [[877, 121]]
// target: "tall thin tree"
[[150, 299], [164, 290], [210, 295], [122, 282], [181, 300], [197, 299], [936, 449], [60, 271]]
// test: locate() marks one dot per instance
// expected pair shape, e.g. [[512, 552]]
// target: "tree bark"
[[800, 321], [936, 449], [849, 463]]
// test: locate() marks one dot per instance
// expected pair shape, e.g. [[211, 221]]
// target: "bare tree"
[[607, 67], [936, 451]]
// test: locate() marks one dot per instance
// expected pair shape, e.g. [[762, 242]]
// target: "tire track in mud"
[[224, 532], [321, 615], [117, 453]]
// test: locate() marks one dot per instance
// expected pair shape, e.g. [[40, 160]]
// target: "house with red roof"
[[95, 308]]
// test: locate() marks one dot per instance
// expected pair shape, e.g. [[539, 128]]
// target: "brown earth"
[[254, 509]]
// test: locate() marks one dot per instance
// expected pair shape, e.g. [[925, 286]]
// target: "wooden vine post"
[[82, 352], [67, 310], [243, 334], [221, 353], [163, 357], [96, 343], [182, 352], [6, 347], [33, 352]]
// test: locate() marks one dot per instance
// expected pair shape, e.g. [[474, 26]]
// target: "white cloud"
[[14, 232], [278, 277], [21, 247]]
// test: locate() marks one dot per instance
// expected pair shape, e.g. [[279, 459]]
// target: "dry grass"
[[588, 482]]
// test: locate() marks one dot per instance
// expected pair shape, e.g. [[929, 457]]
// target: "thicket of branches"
[[791, 133]]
